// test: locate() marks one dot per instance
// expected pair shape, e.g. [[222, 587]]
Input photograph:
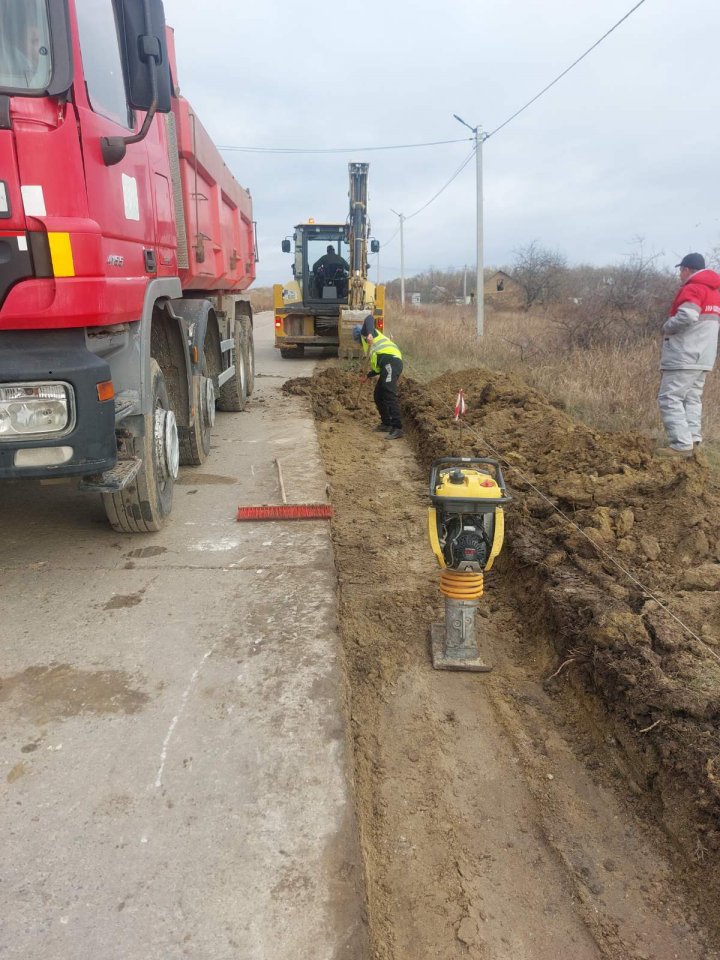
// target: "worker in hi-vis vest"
[[385, 362]]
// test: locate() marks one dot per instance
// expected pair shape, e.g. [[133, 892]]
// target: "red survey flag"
[[460, 406]]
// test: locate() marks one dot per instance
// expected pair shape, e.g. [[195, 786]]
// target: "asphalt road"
[[173, 775]]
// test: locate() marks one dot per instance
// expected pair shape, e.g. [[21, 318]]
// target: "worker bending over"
[[385, 362]]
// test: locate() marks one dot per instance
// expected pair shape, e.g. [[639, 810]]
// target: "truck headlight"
[[35, 409]]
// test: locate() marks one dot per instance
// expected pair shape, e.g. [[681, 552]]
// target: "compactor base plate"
[[441, 660]]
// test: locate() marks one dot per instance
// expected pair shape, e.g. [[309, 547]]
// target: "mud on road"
[[567, 804]]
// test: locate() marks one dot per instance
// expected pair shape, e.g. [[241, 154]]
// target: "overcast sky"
[[626, 146]]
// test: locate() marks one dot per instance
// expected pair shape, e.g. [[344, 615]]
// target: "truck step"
[[112, 481], [125, 404]]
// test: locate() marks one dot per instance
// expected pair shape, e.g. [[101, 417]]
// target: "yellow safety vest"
[[380, 344]]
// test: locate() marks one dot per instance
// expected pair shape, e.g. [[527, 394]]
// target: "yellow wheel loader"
[[330, 291]]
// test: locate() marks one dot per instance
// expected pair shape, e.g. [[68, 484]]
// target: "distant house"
[[502, 291]]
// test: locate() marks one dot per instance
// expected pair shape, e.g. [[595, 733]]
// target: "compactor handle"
[[444, 463]]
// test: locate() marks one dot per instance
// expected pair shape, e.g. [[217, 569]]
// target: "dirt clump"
[[332, 394]]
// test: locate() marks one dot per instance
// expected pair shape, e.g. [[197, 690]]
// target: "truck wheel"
[[145, 505], [233, 394], [248, 355], [195, 445], [289, 353]]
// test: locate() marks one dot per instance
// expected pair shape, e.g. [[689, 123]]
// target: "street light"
[[480, 278], [402, 258]]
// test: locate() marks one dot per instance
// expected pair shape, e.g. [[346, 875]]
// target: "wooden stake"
[[280, 480]]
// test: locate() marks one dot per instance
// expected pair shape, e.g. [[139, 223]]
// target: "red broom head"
[[289, 511]]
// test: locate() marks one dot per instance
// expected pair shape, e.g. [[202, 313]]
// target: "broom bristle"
[[289, 511]]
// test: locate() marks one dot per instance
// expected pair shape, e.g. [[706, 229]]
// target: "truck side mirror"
[[374, 246], [145, 54], [145, 58], [286, 246]]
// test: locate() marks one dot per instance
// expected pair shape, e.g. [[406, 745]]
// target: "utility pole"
[[465, 284], [402, 259], [480, 277]]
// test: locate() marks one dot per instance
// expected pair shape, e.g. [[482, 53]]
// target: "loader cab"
[[322, 263]]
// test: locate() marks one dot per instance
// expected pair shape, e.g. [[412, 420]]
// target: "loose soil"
[[568, 803]]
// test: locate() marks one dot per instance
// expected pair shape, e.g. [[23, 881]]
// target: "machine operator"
[[329, 269]]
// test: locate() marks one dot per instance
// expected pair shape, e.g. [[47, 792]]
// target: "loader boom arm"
[[358, 228]]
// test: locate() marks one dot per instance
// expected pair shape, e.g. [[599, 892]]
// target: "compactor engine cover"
[[466, 520], [466, 543]]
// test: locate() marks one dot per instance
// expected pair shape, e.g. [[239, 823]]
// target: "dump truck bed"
[[216, 241]]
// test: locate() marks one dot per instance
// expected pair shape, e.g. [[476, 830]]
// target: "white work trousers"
[[680, 402]]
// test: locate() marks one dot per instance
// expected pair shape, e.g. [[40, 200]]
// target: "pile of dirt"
[[334, 392], [599, 524], [614, 559]]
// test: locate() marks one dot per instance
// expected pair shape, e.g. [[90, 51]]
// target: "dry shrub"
[[611, 385], [261, 298]]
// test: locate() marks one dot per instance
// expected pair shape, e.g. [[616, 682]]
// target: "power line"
[[560, 76], [434, 197], [477, 144], [311, 150], [432, 143], [388, 242]]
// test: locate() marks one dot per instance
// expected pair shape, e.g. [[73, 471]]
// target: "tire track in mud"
[[494, 810]]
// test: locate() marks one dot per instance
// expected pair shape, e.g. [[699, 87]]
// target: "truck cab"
[[124, 242], [324, 263]]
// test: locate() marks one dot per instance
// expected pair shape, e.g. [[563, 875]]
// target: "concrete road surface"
[[172, 746]]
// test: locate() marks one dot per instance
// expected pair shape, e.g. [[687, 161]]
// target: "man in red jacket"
[[690, 338]]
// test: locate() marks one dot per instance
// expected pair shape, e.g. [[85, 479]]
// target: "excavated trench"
[[568, 803]]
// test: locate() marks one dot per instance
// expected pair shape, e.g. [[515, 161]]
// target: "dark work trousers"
[[386, 390]]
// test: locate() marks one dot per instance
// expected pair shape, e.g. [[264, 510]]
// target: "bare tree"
[[623, 301], [538, 271], [634, 287]]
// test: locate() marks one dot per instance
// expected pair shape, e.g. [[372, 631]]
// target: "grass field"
[[611, 386]]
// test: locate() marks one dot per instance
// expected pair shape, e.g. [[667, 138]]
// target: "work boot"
[[396, 434], [382, 428], [674, 453]]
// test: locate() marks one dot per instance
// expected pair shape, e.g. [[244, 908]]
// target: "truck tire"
[[232, 396], [195, 445], [248, 355], [290, 353], [145, 505]]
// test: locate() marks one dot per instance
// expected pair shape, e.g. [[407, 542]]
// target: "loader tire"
[[145, 504], [233, 394], [290, 353]]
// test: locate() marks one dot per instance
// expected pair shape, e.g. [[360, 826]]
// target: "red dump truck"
[[125, 243]]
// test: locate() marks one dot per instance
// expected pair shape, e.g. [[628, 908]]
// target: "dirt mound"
[[598, 523], [332, 393], [614, 557]]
